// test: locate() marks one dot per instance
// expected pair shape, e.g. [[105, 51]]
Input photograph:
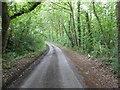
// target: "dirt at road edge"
[[95, 73]]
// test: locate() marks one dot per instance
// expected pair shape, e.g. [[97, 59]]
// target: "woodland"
[[90, 28]]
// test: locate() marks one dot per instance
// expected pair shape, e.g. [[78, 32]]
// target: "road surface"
[[54, 71]]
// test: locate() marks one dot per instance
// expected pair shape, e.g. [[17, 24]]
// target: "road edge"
[[26, 70]]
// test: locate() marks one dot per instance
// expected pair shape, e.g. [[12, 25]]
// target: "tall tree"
[[101, 28], [6, 20], [71, 31], [68, 35], [73, 23], [78, 23], [5, 25], [90, 48]]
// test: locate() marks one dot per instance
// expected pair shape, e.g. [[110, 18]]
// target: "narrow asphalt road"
[[54, 71]]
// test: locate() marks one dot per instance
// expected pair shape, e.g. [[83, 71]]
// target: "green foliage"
[[55, 22], [25, 37], [57, 14]]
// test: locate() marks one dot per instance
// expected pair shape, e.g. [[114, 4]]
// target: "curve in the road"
[[53, 72]]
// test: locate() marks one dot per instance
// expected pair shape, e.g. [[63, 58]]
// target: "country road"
[[52, 44], [54, 71]]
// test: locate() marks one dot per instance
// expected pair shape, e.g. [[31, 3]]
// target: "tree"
[[101, 28], [78, 24], [90, 48], [6, 20], [73, 24], [5, 25]]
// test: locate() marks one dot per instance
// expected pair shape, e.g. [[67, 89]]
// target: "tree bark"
[[89, 33], [5, 25], [78, 24], [73, 24]]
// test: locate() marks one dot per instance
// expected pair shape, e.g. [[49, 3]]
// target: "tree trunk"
[[78, 24], [90, 48], [71, 31], [6, 21], [73, 23], [68, 35], [101, 28], [5, 25]]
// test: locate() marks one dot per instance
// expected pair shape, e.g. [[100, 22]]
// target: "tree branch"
[[25, 11], [61, 6]]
